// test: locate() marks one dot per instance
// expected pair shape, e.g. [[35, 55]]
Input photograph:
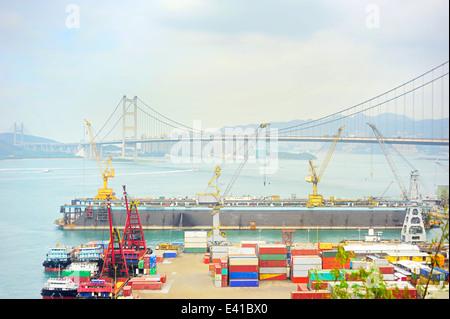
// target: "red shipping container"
[[223, 263], [127, 291], [299, 280], [320, 294], [401, 293], [151, 285], [243, 268], [217, 269], [273, 263], [321, 285], [216, 260], [301, 251], [272, 249], [163, 278], [387, 269]]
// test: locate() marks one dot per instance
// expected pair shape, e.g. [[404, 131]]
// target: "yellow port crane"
[[316, 200], [215, 198], [108, 172]]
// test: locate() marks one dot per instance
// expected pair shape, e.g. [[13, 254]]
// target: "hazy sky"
[[223, 62]]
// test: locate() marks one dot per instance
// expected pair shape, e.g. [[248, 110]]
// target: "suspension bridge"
[[413, 113]]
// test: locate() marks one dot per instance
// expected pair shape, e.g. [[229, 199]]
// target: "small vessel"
[[58, 258], [59, 288], [89, 254], [371, 237], [46, 170]]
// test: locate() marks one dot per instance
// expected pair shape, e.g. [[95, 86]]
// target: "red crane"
[[115, 266], [133, 236]]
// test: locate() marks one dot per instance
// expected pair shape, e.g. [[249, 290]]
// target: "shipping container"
[[244, 283]]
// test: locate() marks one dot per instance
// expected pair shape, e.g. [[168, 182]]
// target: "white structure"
[[413, 230]]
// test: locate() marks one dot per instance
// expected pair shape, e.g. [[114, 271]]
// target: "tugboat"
[[59, 288], [58, 258]]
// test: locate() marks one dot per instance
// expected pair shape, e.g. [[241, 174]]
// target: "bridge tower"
[[129, 123], [18, 130]]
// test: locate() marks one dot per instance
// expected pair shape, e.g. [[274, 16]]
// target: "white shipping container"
[[306, 260], [219, 249], [389, 277], [241, 250], [299, 273], [306, 267], [218, 284], [243, 260], [190, 234], [358, 264], [272, 270], [381, 262], [219, 255]]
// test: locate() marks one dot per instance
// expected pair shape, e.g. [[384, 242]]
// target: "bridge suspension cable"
[[359, 108]]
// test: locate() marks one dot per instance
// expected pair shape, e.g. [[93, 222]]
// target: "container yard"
[[261, 270]]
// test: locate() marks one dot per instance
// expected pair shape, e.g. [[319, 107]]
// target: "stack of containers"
[[300, 265], [195, 241], [218, 252], [323, 276], [220, 273], [272, 262], [243, 270], [329, 260]]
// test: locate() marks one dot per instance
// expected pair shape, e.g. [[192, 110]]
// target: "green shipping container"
[[329, 253], [272, 257], [152, 271], [141, 264], [195, 250], [76, 273]]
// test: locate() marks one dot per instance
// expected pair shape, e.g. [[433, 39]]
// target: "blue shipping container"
[[244, 275], [244, 283]]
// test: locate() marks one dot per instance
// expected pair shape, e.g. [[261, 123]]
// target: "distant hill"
[[9, 138], [10, 151]]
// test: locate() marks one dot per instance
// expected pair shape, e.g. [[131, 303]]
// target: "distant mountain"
[[10, 151], [9, 138]]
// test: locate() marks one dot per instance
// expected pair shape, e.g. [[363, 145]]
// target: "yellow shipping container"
[[325, 246]]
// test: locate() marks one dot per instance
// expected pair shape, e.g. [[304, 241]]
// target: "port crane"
[[387, 154], [108, 172], [216, 235], [316, 200], [115, 265]]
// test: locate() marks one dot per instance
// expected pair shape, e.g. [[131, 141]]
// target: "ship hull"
[[243, 217], [54, 294]]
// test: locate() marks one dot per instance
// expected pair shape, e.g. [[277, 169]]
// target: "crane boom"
[[104, 192], [216, 235], [380, 139], [313, 177]]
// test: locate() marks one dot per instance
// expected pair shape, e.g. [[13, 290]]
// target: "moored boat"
[[58, 258], [59, 288]]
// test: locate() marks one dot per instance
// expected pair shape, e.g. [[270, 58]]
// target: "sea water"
[[31, 192]]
